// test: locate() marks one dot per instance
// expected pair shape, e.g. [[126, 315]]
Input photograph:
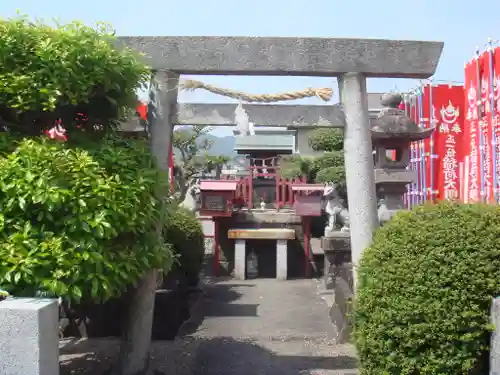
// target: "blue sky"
[[459, 23]]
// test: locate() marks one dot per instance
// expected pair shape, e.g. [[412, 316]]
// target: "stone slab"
[[394, 176], [293, 56], [281, 260], [262, 234], [495, 337], [240, 259], [29, 336], [287, 116], [339, 241], [261, 115], [271, 216]]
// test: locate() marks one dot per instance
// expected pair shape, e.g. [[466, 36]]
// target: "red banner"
[[416, 193], [430, 161], [495, 113], [484, 111], [448, 106], [471, 138]]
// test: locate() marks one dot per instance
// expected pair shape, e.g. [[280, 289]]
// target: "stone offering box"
[[338, 277], [29, 336], [217, 197]]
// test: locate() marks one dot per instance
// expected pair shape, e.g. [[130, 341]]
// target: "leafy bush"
[[425, 288], [327, 139], [185, 233], [48, 73], [78, 223], [3, 294], [296, 166]]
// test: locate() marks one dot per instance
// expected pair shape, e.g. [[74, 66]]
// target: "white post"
[[239, 259], [359, 168], [29, 336], [281, 259]]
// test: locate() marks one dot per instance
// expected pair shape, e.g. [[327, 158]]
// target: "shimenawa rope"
[[322, 93]]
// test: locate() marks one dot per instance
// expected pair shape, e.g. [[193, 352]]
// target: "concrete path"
[[266, 327]]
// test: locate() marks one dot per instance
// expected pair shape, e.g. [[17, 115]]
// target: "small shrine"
[[261, 210]]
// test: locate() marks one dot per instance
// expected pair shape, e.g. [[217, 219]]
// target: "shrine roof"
[[283, 144]]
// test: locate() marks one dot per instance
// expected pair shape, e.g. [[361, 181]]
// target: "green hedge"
[[55, 71], [425, 288], [78, 223], [185, 233]]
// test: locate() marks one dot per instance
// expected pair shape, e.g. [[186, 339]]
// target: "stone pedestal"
[[281, 259], [29, 337], [337, 249], [339, 279], [240, 259], [281, 235]]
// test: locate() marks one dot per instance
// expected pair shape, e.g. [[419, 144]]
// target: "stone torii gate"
[[351, 60]]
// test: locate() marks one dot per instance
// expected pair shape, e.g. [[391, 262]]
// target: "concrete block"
[[29, 336], [240, 259], [281, 259], [495, 338], [328, 57]]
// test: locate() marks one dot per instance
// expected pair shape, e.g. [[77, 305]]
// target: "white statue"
[[262, 204], [191, 200], [335, 209], [251, 128], [242, 121], [384, 214]]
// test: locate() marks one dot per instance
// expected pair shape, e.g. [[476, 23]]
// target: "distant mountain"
[[222, 145]]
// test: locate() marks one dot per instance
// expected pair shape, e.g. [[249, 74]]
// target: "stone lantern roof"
[[392, 123]]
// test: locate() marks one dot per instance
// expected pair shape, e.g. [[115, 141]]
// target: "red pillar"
[[307, 244], [250, 192], [171, 165], [215, 251]]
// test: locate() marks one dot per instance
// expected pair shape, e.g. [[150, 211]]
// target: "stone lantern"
[[392, 132]]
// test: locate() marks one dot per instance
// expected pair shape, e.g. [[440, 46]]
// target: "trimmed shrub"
[[79, 223], [62, 71], [185, 233], [327, 139], [424, 292]]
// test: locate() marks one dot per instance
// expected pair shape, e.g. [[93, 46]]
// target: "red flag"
[[142, 110], [415, 193], [495, 113], [471, 134], [485, 125], [448, 103], [430, 161]]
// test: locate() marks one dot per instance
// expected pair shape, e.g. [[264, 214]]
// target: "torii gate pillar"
[[360, 179]]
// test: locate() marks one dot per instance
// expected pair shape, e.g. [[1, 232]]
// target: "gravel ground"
[[253, 327], [96, 356]]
